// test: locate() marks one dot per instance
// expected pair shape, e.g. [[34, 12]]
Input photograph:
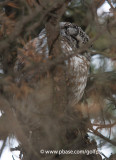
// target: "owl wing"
[[77, 67]]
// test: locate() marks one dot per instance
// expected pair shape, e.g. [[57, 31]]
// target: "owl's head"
[[74, 33]]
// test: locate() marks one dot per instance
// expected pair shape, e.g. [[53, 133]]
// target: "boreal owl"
[[72, 38]]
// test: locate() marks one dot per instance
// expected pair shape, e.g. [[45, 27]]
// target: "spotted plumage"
[[72, 37]]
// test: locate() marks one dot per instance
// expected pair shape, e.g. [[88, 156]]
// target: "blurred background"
[[96, 17]]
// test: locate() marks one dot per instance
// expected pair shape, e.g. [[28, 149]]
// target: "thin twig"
[[109, 2], [3, 145], [104, 155], [104, 126], [95, 132]]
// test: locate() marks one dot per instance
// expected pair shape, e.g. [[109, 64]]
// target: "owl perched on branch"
[[72, 38]]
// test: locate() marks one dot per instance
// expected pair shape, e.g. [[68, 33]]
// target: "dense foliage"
[[26, 112]]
